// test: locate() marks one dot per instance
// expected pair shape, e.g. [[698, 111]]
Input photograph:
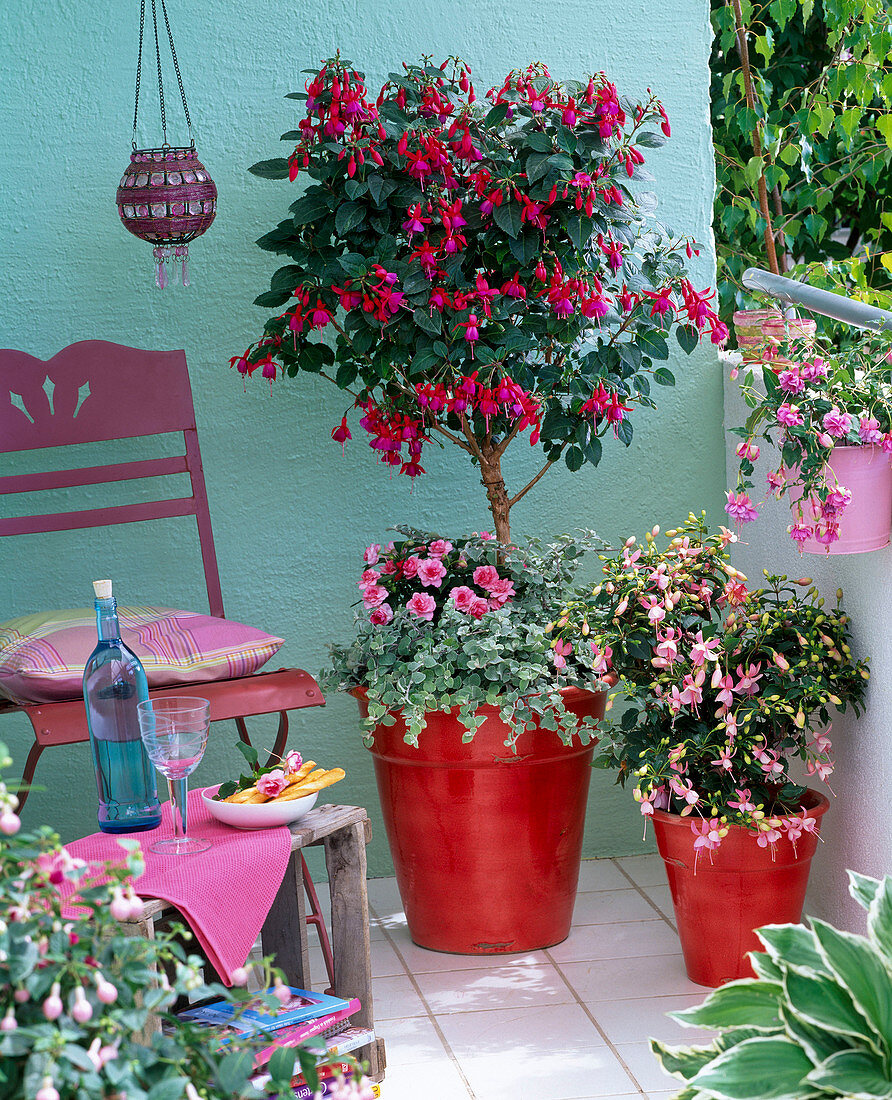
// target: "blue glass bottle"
[[114, 682]]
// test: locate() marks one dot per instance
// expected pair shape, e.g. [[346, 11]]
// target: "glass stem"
[[177, 788]]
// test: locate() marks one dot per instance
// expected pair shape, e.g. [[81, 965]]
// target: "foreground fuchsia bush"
[[472, 271]]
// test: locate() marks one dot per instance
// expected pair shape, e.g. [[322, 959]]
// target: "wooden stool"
[[344, 832]]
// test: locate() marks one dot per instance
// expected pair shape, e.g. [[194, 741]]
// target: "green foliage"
[[822, 1029], [411, 666], [822, 84], [91, 1048]]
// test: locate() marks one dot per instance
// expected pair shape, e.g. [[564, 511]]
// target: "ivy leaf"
[[349, 216], [275, 169]]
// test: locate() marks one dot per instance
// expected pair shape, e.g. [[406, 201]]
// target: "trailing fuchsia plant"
[[810, 403], [726, 684], [472, 272]]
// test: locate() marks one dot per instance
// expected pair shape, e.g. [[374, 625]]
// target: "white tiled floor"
[[568, 1023]]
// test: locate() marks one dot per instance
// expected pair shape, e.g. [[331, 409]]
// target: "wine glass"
[[174, 732]]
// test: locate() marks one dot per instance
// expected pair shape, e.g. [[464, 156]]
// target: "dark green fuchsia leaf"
[[275, 169]]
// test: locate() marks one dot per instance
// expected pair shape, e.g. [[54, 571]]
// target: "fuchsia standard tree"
[[469, 273]]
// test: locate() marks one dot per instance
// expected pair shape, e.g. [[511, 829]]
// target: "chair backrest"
[[94, 391]]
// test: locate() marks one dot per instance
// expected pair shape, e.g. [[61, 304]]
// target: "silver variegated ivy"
[[816, 1021]]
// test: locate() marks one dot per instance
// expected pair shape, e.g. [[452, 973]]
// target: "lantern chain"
[[176, 66], [142, 23], [176, 69]]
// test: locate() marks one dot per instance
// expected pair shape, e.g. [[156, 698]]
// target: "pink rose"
[[293, 761], [381, 615], [486, 576], [501, 591], [371, 554], [389, 567], [368, 577], [273, 783], [479, 607], [422, 606], [439, 548], [431, 572], [410, 566], [462, 597], [374, 596]]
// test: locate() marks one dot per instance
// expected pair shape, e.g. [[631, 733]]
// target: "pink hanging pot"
[[865, 524]]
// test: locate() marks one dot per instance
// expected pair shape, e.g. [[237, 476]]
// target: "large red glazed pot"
[[719, 902], [486, 842]]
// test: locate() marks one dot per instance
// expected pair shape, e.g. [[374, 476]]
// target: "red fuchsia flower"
[[869, 430], [320, 316], [627, 299], [431, 572], [422, 606], [613, 250], [381, 615], [534, 213], [485, 294], [472, 333], [439, 548], [427, 258], [514, 288], [349, 298], [439, 299], [568, 115], [741, 508], [837, 423], [416, 221], [341, 433], [494, 198], [662, 301], [719, 333], [594, 307], [374, 595]]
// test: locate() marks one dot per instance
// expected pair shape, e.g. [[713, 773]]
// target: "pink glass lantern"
[[166, 195]]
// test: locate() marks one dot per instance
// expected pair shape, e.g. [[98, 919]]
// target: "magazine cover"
[[303, 1005]]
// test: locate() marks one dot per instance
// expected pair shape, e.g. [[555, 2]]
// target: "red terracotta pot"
[[720, 902], [486, 842]]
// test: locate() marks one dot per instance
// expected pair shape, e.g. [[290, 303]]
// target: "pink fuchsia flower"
[[744, 801], [692, 689], [800, 532], [837, 423], [791, 381], [374, 595], [486, 575], [47, 1090], [52, 1006], [814, 370], [708, 834], [372, 553], [725, 684], [887, 443], [273, 783], [422, 606], [796, 826], [740, 508], [789, 415], [439, 548], [724, 759], [601, 658], [704, 651], [749, 451], [748, 684], [666, 649], [431, 572], [768, 834], [776, 479], [10, 823], [381, 615], [735, 592], [684, 789], [656, 612], [837, 501], [825, 440], [561, 651], [500, 592], [869, 430]]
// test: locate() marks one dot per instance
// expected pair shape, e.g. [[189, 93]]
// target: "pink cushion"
[[42, 657]]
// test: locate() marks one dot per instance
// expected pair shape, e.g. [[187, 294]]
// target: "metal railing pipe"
[[824, 302]]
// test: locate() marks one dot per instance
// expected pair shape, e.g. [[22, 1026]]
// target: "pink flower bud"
[[137, 909], [52, 1006], [82, 1010], [47, 1090], [8, 1023], [120, 906], [9, 823], [281, 991], [105, 991], [239, 976], [21, 996]]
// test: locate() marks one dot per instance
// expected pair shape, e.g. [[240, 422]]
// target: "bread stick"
[[301, 790]]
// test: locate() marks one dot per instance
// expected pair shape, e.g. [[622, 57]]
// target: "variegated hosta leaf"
[[744, 1003], [686, 1061], [765, 967], [792, 945], [862, 888], [879, 919], [817, 1042], [853, 1073], [766, 1068], [863, 971], [821, 1001]]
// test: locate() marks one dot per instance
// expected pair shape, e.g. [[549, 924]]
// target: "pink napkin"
[[223, 893]]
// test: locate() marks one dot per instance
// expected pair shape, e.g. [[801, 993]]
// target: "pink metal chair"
[[94, 391]]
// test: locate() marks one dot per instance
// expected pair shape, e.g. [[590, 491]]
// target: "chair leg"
[[28, 775], [278, 749], [315, 917]]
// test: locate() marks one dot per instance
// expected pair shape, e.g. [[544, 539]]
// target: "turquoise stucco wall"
[[290, 514]]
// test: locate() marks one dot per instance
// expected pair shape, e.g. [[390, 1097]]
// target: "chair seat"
[[65, 722]]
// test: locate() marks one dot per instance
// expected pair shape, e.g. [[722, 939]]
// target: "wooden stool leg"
[[145, 929], [284, 932], [345, 859]]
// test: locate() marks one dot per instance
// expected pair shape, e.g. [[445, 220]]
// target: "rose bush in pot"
[[478, 272], [726, 686]]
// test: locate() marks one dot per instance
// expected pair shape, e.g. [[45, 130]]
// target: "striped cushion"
[[42, 657]]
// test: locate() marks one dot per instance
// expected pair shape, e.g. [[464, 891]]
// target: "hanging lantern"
[[166, 196]]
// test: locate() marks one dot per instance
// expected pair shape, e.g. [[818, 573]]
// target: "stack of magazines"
[[305, 1016]]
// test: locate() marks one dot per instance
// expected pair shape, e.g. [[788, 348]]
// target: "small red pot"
[[719, 902], [486, 842]]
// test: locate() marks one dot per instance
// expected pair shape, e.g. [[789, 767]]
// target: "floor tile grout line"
[[642, 892], [600, 1030], [430, 1014]]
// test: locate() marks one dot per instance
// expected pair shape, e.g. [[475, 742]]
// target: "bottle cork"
[[103, 589]]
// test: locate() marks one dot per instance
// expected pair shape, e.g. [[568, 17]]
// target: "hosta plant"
[[462, 623], [725, 684], [815, 1022], [474, 270], [76, 992], [819, 399]]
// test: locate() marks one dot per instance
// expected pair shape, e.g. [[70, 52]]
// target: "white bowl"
[[259, 815]]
